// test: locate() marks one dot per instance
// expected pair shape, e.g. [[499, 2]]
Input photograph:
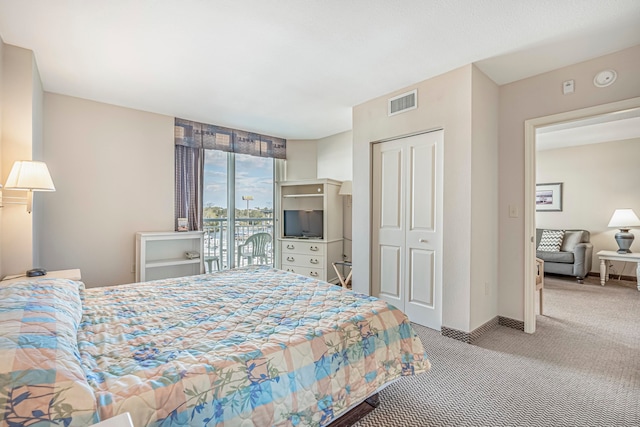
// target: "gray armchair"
[[574, 257]]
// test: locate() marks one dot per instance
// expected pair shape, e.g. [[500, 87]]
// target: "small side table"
[[615, 256], [344, 281], [73, 274]]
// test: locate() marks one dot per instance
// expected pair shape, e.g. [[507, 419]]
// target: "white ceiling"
[[294, 68], [611, 127]]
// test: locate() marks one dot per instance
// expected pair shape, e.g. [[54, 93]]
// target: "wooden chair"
[[540, 279]]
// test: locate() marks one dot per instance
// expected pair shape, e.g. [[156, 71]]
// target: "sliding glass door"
[[237, 204]]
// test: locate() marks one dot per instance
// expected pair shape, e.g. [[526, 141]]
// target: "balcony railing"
[[216, 231]]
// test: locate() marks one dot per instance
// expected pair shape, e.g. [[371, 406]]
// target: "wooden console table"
[[615, 256]]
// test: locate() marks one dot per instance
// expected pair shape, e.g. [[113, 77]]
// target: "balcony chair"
[[254, 247], [209, 259]]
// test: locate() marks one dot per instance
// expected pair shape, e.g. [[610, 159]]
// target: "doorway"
[[529, 192]]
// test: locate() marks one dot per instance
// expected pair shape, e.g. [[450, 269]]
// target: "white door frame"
[[530, 127]]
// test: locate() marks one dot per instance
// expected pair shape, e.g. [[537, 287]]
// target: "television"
[[303, 224]]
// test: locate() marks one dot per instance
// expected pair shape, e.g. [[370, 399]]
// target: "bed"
[[254, 346]]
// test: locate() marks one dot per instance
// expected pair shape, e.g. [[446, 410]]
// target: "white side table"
[[73, 274], [615, 256]]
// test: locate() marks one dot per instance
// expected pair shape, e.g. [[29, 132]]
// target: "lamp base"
[[624, 239]]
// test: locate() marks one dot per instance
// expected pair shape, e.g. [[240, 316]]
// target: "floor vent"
[[404, 102]]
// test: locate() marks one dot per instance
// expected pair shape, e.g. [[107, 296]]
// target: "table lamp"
[[624, 219]]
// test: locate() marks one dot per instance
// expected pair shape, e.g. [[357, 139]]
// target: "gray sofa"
[[574, 257]]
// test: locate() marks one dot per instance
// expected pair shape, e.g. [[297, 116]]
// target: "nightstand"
[[73, 274]]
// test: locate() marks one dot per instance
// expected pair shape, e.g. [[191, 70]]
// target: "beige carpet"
[[581, 368]]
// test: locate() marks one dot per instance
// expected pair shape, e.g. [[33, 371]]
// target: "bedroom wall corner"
[[335, 161], [335, 156], [37, 149], [531, 98], [17, 136], [444, 103], [1, 169], [484, 199], [302, 159], [114, 175]]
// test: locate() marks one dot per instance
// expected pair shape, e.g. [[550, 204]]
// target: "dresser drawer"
[[303, 260], [316, 273], [299, 247]]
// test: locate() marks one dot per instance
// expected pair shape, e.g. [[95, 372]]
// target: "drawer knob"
[[313, 248], [313, 261], [290, 258], [290, 247]]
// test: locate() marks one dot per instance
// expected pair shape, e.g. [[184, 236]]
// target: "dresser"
[[311, 257], [310, 228]]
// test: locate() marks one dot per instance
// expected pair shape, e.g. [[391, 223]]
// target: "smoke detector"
[[605, 78]]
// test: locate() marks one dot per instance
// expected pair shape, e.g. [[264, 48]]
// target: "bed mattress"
[[254, 346]]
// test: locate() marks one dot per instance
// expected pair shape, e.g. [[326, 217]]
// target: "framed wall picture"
[[549, 197]]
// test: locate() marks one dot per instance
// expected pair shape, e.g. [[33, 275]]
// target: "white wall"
[[444, 102], [335, 156], [302, 160], [484, 200], [1, 161], [21, 129], [589, 198], [335, 161], [37, 147], [535, 97], [113, 168]]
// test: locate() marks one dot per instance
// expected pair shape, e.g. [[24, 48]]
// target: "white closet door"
[[407, 226], [388, 239]]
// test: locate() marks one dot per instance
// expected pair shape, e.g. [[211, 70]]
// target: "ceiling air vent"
[[404, 102]]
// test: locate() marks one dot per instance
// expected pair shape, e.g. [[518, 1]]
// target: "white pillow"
[[551, 240]]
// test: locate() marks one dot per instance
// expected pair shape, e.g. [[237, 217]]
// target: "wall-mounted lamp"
[[346, 188], [29, 176], [624, 219]]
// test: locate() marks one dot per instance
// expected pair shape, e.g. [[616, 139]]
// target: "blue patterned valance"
[[201, 135]]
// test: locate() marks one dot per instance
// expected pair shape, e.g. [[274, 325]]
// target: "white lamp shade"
[[345, 188], [29, 175], [624, 218]]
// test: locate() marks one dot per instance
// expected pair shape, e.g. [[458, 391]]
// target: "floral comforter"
[[254, 347]]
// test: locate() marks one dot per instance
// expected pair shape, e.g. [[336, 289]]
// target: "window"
[[243, 185], [225, 186]]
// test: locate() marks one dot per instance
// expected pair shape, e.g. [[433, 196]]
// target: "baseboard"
[[511, 323], [629, 278], [469, 337]]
